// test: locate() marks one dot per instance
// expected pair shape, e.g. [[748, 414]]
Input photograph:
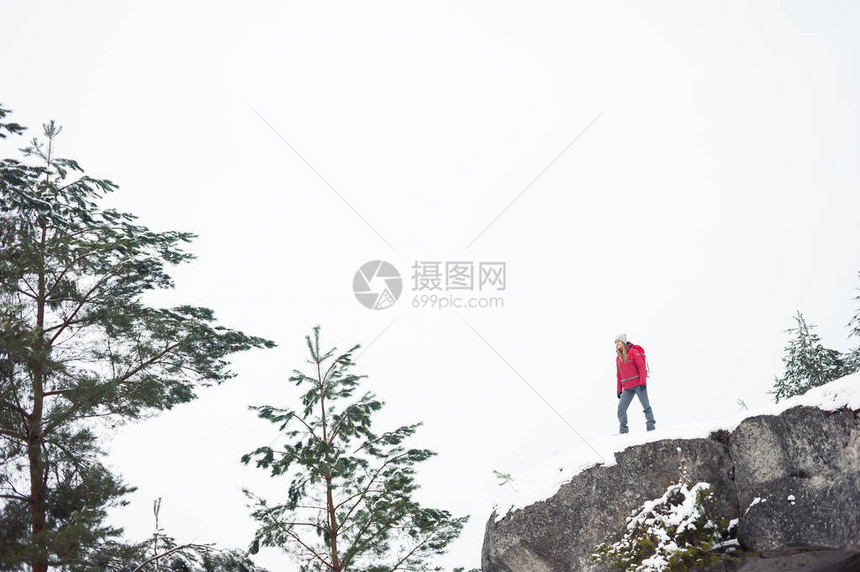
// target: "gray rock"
[[520, 541], [805, 452], [560, 533], [808, 455]]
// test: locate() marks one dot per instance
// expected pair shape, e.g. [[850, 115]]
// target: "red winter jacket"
[[632, 372]]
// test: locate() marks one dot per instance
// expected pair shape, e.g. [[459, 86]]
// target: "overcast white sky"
[[713, 194]]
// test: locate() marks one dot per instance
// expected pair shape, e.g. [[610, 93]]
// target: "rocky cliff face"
[[803, 466]]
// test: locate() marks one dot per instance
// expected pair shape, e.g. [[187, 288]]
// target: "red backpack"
[[641, 350]]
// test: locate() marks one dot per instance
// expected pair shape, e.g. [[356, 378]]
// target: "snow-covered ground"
[[543, 481]]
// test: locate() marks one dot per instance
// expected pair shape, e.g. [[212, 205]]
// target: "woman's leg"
[[642, 392], [623, 404]]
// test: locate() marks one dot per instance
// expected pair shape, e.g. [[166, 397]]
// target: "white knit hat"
[[622, 337]]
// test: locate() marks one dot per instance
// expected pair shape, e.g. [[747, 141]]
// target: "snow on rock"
[[754, 502], [666, 522]]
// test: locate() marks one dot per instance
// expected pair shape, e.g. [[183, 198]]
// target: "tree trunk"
[[332, 516], [39, 560]]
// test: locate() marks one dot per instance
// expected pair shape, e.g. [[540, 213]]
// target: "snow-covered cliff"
[[790, 476]]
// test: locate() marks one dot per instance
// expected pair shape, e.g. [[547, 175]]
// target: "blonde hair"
[[622, 353]]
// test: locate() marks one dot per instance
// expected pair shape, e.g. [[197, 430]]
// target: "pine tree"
[[852, 361], [852, 358], [349, 504], [80, 352], [854, 324], [807, 362]]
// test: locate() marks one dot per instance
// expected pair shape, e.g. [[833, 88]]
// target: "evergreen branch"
[[75, 260], [311, 507], [14, 490], [124, 379], [362, 493], [292, 534], [92, 415], [354, 548], [30, 286], [344, 416], [311, 524], [370, 518], [151, 361], [308, 427], [19, 436], [197, 547], [367, 488], [383, 530], [411, 552], [409, 428], [15, 407], [31, 295], [367, 523], [275, 522], [72, 183], [67, 322], [74, 460], [58, 391], [296, 537], [324, 378], [16, 497], [83, 302], [92, 302], [58, 279]]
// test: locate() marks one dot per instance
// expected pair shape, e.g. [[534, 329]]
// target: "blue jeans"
[[626, 397]]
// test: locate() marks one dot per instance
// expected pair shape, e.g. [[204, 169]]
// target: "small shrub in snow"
[[808, 363], [675, 532]]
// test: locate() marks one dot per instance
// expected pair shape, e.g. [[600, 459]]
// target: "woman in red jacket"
[[632, 375]]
